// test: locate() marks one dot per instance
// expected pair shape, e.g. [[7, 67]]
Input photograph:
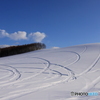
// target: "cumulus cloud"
[[18, 35], [22, 35], [15, 36], [3, 33], [37, 36]]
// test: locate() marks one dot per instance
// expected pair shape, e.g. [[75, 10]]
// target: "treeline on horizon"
[[13, 50]]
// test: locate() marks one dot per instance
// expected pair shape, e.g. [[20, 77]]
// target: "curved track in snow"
[[33, 74], [47, 82]]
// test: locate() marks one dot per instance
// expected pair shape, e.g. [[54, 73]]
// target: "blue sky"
[[57, 23]]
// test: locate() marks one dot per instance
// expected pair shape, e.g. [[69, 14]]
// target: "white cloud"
[[3, 33], [37, 36], [22, 35], [18, 35], [15, 36]]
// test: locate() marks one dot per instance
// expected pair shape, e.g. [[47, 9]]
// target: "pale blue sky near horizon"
[[57, 23]]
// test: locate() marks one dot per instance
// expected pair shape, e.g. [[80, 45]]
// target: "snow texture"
[[51, 74]]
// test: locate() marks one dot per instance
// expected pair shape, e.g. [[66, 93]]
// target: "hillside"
[[51, 74]]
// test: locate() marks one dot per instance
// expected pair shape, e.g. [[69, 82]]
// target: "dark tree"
[[21, 49]]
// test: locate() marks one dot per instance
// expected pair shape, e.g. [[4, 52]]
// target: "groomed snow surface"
[[51, 74]]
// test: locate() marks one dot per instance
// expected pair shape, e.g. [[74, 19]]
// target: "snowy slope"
[[51, 74]]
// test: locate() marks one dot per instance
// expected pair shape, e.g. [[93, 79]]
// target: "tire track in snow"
[[71, 74], [18, 93], [15, 73], [78, 57], [6, 76], [93, 83], [92, 65], [58, 74], [89, 86], [24, 79]]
